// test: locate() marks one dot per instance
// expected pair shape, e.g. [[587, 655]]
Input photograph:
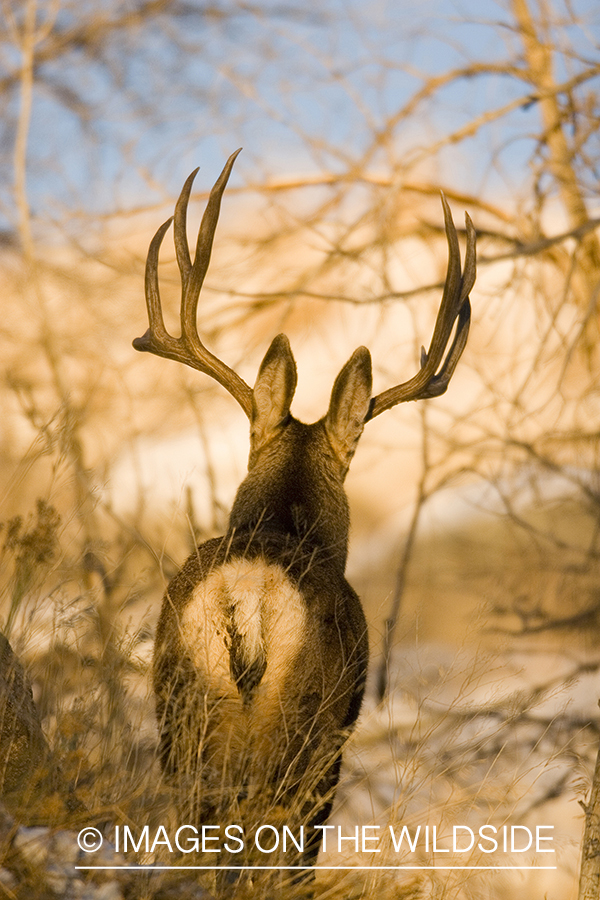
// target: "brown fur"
[[261, 647]]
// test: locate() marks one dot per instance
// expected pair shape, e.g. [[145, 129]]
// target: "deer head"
[[291, 465]]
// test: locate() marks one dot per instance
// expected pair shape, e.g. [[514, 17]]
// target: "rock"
[[24, 752]]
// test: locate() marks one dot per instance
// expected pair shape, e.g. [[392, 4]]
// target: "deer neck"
[[294, 488]]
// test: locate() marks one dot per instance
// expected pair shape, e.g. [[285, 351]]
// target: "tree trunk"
[[539, 59], [589, 879]]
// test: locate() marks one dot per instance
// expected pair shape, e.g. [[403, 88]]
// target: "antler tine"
[[182, 250], [436, 371], [188, 348], [156, 333], [193, 274]]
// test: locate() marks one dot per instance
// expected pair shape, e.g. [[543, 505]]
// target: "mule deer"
[[261, 646]]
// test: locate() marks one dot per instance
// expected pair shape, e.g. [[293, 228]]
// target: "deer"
[[261, 647]]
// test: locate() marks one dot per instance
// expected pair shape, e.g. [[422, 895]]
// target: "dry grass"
[[463, 738]]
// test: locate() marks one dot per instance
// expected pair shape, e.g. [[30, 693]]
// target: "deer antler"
[[436, 372], [188, 348]]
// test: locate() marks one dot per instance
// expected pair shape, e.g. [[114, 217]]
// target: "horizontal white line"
[[314, 868]]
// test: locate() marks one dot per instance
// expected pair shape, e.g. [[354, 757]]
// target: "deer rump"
[[259, 673]]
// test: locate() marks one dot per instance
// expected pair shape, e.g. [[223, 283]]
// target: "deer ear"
[[273, 391], [349, 405]]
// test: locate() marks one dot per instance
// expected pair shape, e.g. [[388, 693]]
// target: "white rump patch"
[[266, 610]]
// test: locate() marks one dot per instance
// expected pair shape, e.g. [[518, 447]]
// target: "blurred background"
[[476, 516]]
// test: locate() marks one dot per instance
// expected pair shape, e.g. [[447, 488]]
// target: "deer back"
[[261, 639]]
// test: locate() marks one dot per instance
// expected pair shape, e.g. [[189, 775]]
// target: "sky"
[[121, 115]]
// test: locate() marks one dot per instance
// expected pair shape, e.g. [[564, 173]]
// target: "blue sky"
[[303, 89]]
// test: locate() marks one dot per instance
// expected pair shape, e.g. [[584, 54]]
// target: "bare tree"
[[350, 131]]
